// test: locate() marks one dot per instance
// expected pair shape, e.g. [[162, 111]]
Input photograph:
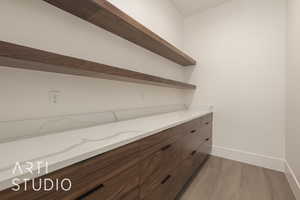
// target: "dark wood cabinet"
[[132, 195], [190, 143], [116, 188], [185, 170], [155, 142], [164, 178], [85, 176], [154, 168], [158, 166], [167, 189]]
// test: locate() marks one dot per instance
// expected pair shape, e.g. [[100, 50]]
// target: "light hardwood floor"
[[222, 179]]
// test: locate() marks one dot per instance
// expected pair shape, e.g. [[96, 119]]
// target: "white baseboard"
[[268, 162], [294, 182]]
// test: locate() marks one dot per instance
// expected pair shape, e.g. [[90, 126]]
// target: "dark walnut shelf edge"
[[105, 15], [17, 56]]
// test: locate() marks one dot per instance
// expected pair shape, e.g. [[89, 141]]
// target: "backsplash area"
[[19, 129], [39, 103]]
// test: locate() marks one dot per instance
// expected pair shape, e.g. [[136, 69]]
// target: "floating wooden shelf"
[[105, 15], [17, 56]]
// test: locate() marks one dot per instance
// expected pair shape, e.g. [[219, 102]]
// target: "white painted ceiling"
[[190, 7]]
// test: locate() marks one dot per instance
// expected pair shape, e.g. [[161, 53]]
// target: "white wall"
[[158, 15], [24, 94], [240, 49], [293, 90]]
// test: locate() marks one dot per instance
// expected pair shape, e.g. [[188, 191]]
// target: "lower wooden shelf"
[[17, 56]]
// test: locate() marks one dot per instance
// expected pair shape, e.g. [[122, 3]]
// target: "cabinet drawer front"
[[171, 134], [202, 153], [94, 180], [206, 147], [132, 195], [192, 126], [121, 187], [190, 144], [158, 165], [167, 190], [185, 170], [82, 175], [157, 194], [189, 166], [201, 127], [206, 132], [207, 119]]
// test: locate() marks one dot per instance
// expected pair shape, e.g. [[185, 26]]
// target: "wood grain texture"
[[167, 190], [150, 168], [85, 175], [105, 15], [197, 132], [17, 56], [231, 180], [156, 167], [177, 164], [117, 188], [132, 195], [156, 141]]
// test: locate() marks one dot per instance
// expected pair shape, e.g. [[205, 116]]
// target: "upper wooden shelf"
[[105, 15], [12, 55]]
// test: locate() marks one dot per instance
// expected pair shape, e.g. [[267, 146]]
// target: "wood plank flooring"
[[222, 179]]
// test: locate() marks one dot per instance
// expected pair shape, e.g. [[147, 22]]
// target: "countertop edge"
[[7, 183]]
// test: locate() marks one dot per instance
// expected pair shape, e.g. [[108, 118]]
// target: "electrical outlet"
[[54, 96]]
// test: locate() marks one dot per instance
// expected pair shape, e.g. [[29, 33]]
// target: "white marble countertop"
[[66, 148]]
